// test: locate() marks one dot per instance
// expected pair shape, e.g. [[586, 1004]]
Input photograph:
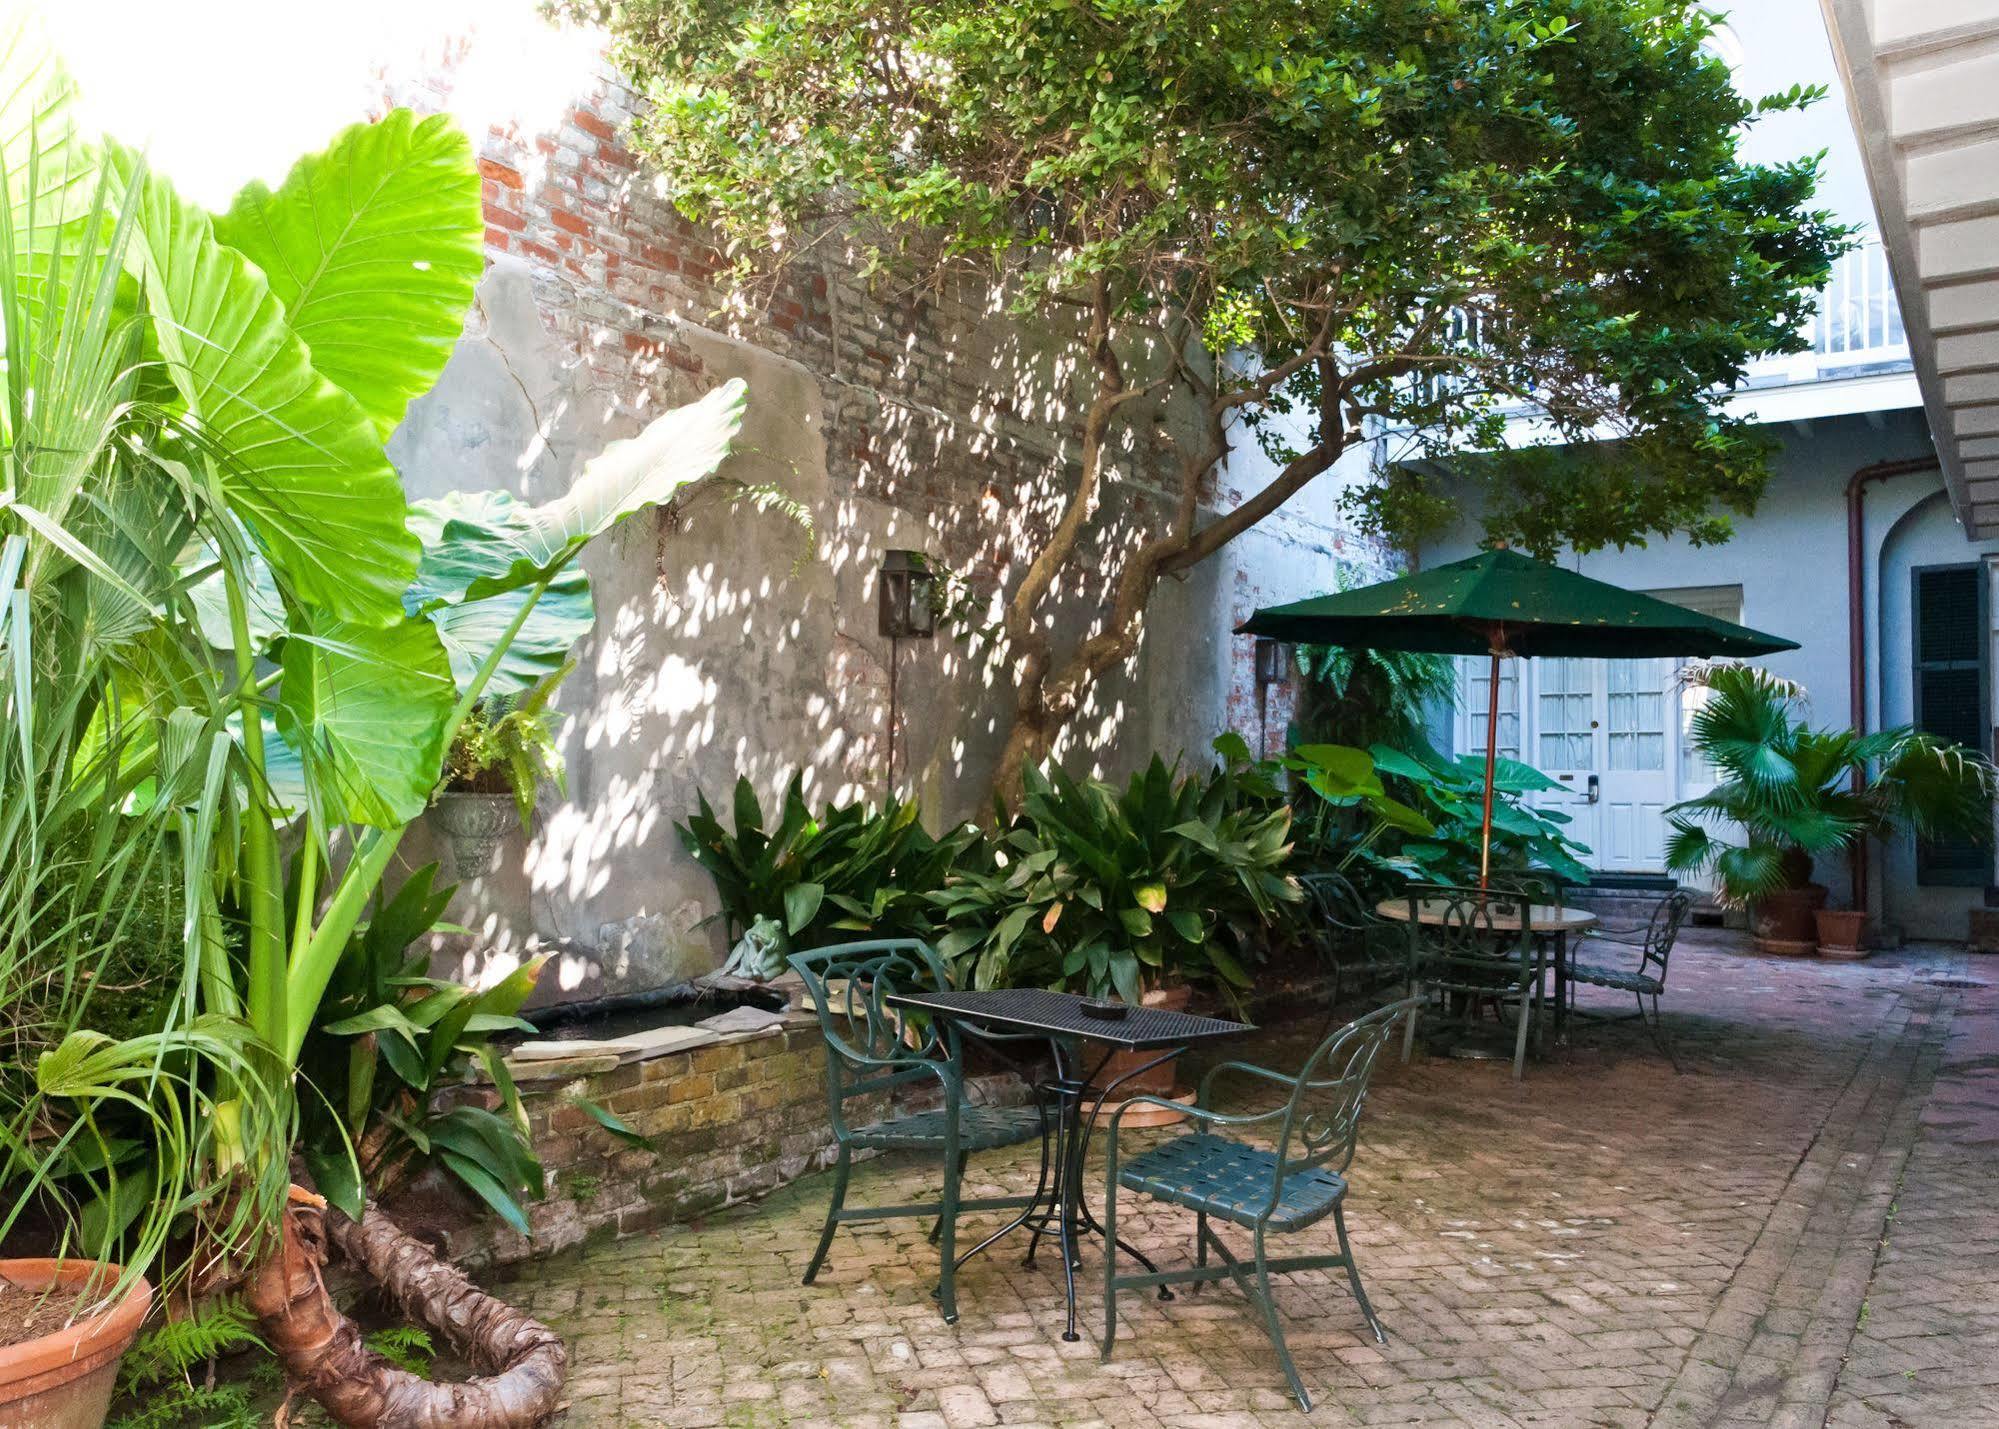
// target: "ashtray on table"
[[1103, 1010]]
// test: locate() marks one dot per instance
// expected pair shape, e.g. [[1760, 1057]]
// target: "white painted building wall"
[[1832, 412]]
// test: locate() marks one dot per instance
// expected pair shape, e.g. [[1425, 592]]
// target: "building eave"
[[1922, 83]]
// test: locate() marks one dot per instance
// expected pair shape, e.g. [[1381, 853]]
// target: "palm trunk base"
[[521, 1361]]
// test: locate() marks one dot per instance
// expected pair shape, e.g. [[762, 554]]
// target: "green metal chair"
[[1654, 945], [1276, 1190], [1470, 957], [1363, 949], [872, 1049]]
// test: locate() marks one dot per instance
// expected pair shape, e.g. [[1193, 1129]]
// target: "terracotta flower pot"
[[1783, 922], [1842, 933], [64, 1379]]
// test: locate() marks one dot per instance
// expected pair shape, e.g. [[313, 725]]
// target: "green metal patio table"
[[1547, 920], [1064, 1020]]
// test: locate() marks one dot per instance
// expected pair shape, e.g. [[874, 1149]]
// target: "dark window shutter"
[[1951, 684]]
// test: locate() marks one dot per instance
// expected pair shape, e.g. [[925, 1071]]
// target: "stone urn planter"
[[1785, 922], [472, 826], [1842, 933], [63, 1379]]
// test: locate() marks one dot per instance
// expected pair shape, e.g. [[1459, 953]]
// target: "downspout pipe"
[[1856, 625]]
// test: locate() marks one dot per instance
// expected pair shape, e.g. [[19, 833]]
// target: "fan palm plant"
[[1789, 793]]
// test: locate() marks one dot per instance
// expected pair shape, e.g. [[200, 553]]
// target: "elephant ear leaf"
[[495, 547], [459, 544], [366, 708], [374, 246], [302, 466]]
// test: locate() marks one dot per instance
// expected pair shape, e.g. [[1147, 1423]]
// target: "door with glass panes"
[[1612, 733], [1600, 731]]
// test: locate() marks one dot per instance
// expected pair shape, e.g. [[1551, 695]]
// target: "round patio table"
[[1548, 920], [1542, 918]]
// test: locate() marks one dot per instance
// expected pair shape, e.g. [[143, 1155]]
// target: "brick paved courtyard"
[[1802, 1230]]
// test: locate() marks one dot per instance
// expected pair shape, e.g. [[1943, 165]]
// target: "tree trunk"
[[522, 1361]]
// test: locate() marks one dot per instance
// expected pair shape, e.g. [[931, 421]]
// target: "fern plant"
[[158, 1376], [1362, 697], [507, 746]]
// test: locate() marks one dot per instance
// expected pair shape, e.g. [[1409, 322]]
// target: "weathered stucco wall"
[[732, 640]]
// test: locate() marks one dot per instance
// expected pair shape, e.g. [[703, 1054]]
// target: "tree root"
[[521, 1361]]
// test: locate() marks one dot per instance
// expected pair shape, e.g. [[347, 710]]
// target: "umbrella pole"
[[1491, 769]]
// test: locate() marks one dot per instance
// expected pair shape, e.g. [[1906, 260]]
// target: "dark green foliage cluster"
[[851, 871], [1175, 878], [388, 1038], [1363, 697]]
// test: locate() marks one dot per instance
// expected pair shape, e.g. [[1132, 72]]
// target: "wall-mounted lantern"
[[906, 609], [908, 596], [1275, 661]]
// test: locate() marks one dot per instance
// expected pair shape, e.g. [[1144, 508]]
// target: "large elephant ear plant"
[[224, 631], [1788, 792]]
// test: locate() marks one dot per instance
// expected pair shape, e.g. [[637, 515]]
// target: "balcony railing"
[[1856, 330]]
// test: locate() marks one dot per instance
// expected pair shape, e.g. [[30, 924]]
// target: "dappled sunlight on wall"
[[736, 630]]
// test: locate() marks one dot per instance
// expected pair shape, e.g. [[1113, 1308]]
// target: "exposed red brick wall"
[[932, 405]]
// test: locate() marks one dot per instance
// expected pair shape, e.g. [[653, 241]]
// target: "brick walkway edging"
[[1749, 1367]]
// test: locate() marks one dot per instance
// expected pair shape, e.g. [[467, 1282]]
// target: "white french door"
[[1637, 783], [1610, 732], [1568, 720]]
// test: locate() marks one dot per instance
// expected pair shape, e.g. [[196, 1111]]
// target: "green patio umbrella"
[[1501, 603]]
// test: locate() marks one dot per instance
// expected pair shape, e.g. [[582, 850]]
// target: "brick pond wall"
[[730, 1116]]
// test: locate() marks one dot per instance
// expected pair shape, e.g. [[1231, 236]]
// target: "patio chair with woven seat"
[[1362, 949], [1470, 947], [1645, 978], [874, 1049], [1286, 1187]]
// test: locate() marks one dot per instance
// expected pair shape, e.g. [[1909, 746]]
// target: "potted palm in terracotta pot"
[[1789, 793]]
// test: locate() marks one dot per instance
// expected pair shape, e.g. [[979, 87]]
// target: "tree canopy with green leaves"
[[1306, 222]]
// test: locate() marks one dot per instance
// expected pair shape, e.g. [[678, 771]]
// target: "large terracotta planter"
[[1785, 922], [63, 1380], [1157, 1082], [1842, 933]]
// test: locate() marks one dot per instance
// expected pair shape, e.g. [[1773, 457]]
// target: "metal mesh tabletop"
[[1060, 1014]]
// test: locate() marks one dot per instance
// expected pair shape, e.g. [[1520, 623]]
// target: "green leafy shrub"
[[1362, 697], [388, 1037], [1450, 794], [1097, 890], [853, 871]]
